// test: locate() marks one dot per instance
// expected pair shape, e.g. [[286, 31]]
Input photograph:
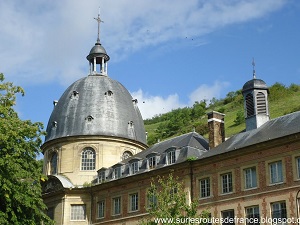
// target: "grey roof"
[[97, 51], [255, 84], [190, 141], [96, 105], [64, 181], [273, 129], [186, 146]]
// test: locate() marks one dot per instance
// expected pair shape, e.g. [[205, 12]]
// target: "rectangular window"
[[134, 167], [276, 172], [171, 157], [226, 182], [101, 209], [228, 217], [278, 211], [204, 187], [252, 215], [133, 202], [101, 176], [298, 167], [152, 198], [117, 206], [117, 172], [152, 162], [78, 212], [250, 178]]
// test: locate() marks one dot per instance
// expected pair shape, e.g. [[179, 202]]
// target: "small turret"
[[256, 105]]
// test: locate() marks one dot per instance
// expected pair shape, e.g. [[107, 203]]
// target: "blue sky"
[[167, 53]]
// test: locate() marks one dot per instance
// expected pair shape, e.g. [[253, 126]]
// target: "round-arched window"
[[88, 159]]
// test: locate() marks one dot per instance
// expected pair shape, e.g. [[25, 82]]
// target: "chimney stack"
[[216, 128]]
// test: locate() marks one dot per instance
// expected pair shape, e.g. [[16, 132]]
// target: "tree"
[[20, 176], [168, 201]]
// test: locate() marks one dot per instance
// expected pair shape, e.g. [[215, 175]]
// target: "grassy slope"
[[277, 108]]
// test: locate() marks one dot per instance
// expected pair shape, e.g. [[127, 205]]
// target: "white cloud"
[[155, 105], [45, 40], [206, 92]]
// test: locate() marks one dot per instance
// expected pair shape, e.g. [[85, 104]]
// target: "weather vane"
[[99, 21], [253, 64]]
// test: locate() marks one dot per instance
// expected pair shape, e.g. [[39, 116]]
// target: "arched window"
[[53, 164], [88, 159], [126, 155], [261, 103], [249, 105]]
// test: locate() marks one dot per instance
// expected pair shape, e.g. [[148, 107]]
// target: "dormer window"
[[152, 162], [171, 156], [101, 176], [134, 167], [117, 173]]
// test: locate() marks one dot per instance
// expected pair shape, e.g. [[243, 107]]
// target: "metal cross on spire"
[[99, 21], [253, 64]]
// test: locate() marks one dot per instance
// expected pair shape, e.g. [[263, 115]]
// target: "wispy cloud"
[[48, 40], [154, 105]]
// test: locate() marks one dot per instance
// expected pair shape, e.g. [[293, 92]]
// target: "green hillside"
[[282, 100]]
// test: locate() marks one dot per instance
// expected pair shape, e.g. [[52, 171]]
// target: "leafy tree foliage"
[[168, 199], [240, 118], [20, 174]]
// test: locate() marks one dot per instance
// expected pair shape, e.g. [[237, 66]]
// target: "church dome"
[[254, 84], [96, 105]]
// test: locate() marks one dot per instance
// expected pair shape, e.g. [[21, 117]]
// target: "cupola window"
[[88, 159], [261, 103], [249, 105]]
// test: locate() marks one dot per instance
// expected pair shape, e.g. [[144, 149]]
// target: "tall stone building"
[[100, 167]]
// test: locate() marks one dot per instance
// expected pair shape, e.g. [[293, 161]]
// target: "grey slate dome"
[[255, 84], [96, 105]]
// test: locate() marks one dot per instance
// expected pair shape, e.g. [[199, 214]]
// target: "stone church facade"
[[99, 166]]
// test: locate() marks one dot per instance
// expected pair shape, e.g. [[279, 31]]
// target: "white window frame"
[[134, 167], [78, 212], [227, 183], [88, 159], [281, 208], [276, 172], [152, 162], [204, 186], [116, 207], [101, 209], [134, 202], [117, 173], [171, 157], [298, 167], [252, 213], [250, 178], [101, 176]]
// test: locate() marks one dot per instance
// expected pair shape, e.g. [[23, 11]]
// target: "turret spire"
[[98, 19], [98, 56], [253, 64]]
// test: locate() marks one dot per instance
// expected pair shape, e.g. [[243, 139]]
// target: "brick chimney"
[[216, 128]]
